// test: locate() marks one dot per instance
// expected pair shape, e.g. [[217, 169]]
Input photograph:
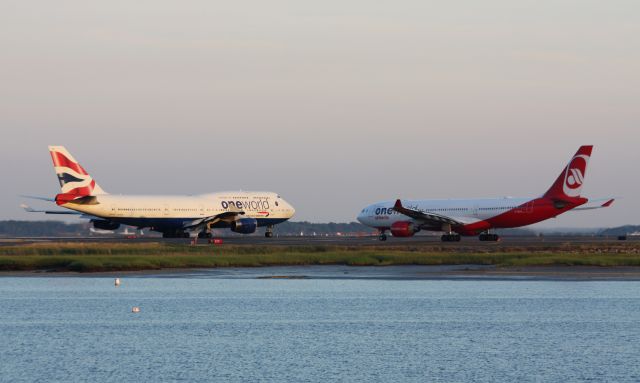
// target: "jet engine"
[[105, 225], [404, 229], [244, 225]]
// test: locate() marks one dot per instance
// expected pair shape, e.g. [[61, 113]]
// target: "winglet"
[[608, 203]]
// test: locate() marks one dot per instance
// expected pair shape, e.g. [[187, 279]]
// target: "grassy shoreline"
[[92, 257]]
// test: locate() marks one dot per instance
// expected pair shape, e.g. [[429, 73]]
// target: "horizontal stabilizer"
[[597, 204], [29, 209], [48, 199]]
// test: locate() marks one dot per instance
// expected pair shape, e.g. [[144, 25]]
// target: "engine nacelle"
[[105, 225], [244, 225], [404, 229]]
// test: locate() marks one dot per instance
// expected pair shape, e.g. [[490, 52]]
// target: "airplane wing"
[[430, 219], [226, 216], [596, 204]]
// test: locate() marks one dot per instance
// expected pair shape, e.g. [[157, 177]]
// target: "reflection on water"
[[197, 329]]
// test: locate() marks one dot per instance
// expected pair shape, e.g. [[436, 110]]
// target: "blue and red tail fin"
[[570, 181], [75, 182]]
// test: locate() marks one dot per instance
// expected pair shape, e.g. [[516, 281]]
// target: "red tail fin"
[[569, 183]]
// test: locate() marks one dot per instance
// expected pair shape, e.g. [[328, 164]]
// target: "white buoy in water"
[[117, 282], [135, 309]]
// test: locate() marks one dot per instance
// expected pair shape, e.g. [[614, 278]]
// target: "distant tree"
[[59, 229], [41, 229], [621, 230]]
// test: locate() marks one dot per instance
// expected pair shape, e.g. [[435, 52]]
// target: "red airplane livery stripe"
[[528, 213], [60, 160]]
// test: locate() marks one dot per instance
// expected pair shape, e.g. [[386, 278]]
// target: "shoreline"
[[391, 272]]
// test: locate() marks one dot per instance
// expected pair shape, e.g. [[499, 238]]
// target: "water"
[[219, 329]]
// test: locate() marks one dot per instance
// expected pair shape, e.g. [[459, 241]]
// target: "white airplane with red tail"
[[404, 218]]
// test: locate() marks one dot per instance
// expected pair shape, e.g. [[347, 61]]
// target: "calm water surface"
[[213, 329]]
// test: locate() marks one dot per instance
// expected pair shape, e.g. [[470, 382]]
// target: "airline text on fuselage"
[[262, 204]]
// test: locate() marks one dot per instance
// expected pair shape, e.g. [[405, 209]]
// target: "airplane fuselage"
[[476, 215], [170, 212]]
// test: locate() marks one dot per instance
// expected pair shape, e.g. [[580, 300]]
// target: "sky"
[[333, 104]]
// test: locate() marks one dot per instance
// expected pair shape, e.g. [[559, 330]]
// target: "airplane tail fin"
[[75, 182], [570, 181]]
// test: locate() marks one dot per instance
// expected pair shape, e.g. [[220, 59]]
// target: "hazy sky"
[[333, 104]]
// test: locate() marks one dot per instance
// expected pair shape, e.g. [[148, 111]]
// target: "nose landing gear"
[[269, 232]]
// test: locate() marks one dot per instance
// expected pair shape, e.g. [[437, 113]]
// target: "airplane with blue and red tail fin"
[[173, 216]]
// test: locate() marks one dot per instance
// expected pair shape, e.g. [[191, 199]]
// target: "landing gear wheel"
[[489, 237], [450, 238], [382, 237], [204, 234], [268, 234]]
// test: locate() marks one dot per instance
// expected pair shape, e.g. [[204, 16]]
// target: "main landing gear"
[[485, 237], [204, 234], [269, 232], [450, 238], [382, 236]]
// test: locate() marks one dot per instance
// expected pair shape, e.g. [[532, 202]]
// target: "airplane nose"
[[292, 211]]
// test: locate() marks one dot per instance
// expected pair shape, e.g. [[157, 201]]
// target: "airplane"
[[470, 217], [173, 216]]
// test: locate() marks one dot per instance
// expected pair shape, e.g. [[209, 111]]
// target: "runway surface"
[[422, 241]]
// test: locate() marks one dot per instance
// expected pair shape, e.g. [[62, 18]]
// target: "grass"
[[92, 257]]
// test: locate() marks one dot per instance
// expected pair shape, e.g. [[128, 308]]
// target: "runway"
[[368, 241]]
